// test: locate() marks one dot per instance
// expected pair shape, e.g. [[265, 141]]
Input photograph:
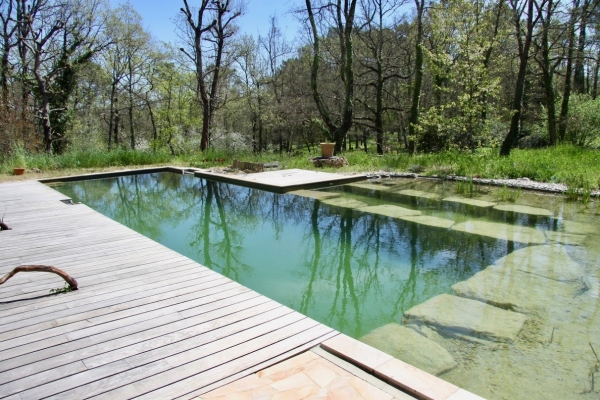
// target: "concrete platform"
[[283, 181]]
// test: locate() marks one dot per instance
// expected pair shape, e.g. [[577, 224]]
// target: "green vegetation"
[[65, 289], [467, 188], [504, 193], [578, 168]]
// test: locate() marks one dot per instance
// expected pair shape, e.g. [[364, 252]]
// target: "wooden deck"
[[145, 322]]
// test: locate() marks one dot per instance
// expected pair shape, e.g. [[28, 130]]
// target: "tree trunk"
[[517, 104], [413, 119], [579, 70], [564, 108]]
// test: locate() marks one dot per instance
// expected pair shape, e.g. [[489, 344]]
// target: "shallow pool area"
[[497, 297]]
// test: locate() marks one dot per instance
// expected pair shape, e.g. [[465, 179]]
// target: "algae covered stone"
[[565, 238], [391, 211], [579, 228], [511, 289], [315, 194], [497, 230], [429, 221], [344, 202], [470, 202], [368, 186], [461, 317], [549, 261], [419, 193], [540, 212], [411, 347]]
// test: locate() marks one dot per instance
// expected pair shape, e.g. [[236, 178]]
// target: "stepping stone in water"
[[470, 202], [550, 261], [391, 211], [498, 230], [419, 193], [315, 194], [565, 238], [411, 347], [344, 202], [369, 186], [512, 289], [463, 317], [430, 221], [540, 212], [579, 228]]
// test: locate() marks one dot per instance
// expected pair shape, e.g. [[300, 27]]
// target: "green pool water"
[[343, 263]]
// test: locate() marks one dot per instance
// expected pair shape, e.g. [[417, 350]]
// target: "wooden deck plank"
[[39, 373], [130, 334], [143, 312]]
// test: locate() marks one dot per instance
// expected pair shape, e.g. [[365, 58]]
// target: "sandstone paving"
[[305, 376]]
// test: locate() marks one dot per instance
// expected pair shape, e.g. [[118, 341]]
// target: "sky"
[[158, 16]]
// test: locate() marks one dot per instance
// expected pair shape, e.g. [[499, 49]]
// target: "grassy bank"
[[564, 164]]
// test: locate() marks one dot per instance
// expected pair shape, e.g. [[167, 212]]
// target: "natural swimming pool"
[[360, 271]]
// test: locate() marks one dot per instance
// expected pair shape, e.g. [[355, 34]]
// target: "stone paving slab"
[[411, 347], [463, 317], [307, 375], [540, 212], [497, 230], [470, 202]]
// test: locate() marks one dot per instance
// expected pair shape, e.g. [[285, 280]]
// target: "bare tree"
[[341, 18], [61, 37], [524, 34], [212, 24]]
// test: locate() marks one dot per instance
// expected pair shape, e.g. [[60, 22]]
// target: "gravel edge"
[[523, 183]]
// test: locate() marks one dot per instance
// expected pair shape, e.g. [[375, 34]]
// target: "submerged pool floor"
[[480, 291]]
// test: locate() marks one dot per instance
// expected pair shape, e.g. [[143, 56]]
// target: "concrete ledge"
[[112, 174], [410, 379], [283, 181]]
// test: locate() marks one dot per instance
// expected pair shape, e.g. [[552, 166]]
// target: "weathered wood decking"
[[145, 322]]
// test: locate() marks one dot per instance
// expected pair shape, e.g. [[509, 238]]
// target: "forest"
[[382, 76]]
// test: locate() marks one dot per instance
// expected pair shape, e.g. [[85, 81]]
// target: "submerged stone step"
[[315, 194], [549, 261], [430, 221], [391, 211], [462, 317], [540, 212], [470, 202], [511, 289], [579, 228], [565, 238], [411, 347], [369, 186], [420, 194], [344, 202], [497, 230]]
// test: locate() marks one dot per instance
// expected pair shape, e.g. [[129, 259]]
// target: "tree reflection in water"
[[351, 270]]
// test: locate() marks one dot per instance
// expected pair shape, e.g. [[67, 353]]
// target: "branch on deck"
[[41, 268]]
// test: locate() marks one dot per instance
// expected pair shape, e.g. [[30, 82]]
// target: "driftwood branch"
[[41, 268]]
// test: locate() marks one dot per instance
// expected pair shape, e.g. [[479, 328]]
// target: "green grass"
[[578, 168]]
